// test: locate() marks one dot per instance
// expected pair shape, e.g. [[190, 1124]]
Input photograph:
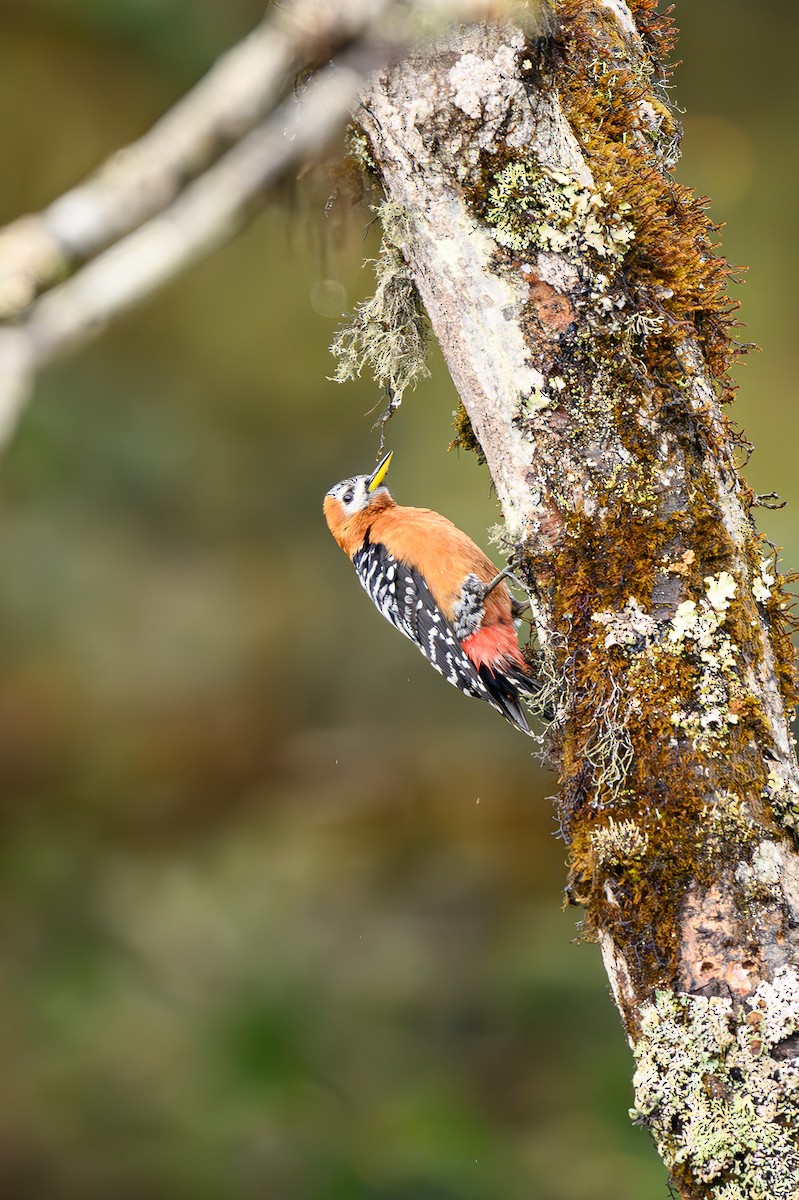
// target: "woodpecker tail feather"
[[503, 688], [532, 685], [523, 680]]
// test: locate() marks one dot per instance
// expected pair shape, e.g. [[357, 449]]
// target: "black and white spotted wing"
[[403, 597]]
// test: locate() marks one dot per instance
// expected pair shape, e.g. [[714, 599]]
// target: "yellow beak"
[[379, 473]]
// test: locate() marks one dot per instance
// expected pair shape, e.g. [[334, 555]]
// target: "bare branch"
[[190, 184], [206, 215], [142, 179]]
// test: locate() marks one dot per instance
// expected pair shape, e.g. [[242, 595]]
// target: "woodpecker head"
[[345, 502]]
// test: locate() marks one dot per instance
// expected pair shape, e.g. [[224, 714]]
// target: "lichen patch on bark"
[[716, 1093]]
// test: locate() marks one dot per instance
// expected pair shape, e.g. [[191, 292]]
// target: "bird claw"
[[518, 607]]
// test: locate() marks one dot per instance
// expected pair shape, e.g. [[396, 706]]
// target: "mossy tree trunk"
[[583, 312]]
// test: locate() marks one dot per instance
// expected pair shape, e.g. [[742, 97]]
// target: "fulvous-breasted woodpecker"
[[437, 587]]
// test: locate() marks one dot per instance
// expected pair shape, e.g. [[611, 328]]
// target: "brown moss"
[[622, 703], [665, 796], [465, 437], [640, 908], [784, 624], [672, 268], [657, 29]]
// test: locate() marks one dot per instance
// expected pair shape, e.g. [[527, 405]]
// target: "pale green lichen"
[[538, 400], [726, 818], [783, 799], [711, 691], [608, 746], [764, 582], [697, 632], [762, 877], [720, 1105], [645, 325], [500, 536], [542, 397], [531, 207], [388, 334], [360, 148], [630, 625], [720, 590]]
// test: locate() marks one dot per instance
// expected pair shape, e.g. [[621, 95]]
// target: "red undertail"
[[493, 645]]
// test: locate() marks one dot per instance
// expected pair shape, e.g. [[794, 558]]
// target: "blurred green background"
[[281, 912]]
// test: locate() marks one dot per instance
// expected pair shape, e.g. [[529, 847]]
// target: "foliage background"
[[281, 911]]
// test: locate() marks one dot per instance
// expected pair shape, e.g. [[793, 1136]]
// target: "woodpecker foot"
[[518, 607], [504, 574]]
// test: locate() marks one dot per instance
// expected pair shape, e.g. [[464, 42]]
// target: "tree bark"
[[583, 312]]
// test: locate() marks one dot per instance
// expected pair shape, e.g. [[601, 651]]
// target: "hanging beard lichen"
[[388, 333]]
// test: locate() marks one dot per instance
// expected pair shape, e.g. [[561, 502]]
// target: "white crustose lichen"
[[696, 630], [717, 1100], [695, 633]]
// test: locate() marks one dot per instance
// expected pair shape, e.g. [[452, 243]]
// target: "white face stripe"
[[353, 494]]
